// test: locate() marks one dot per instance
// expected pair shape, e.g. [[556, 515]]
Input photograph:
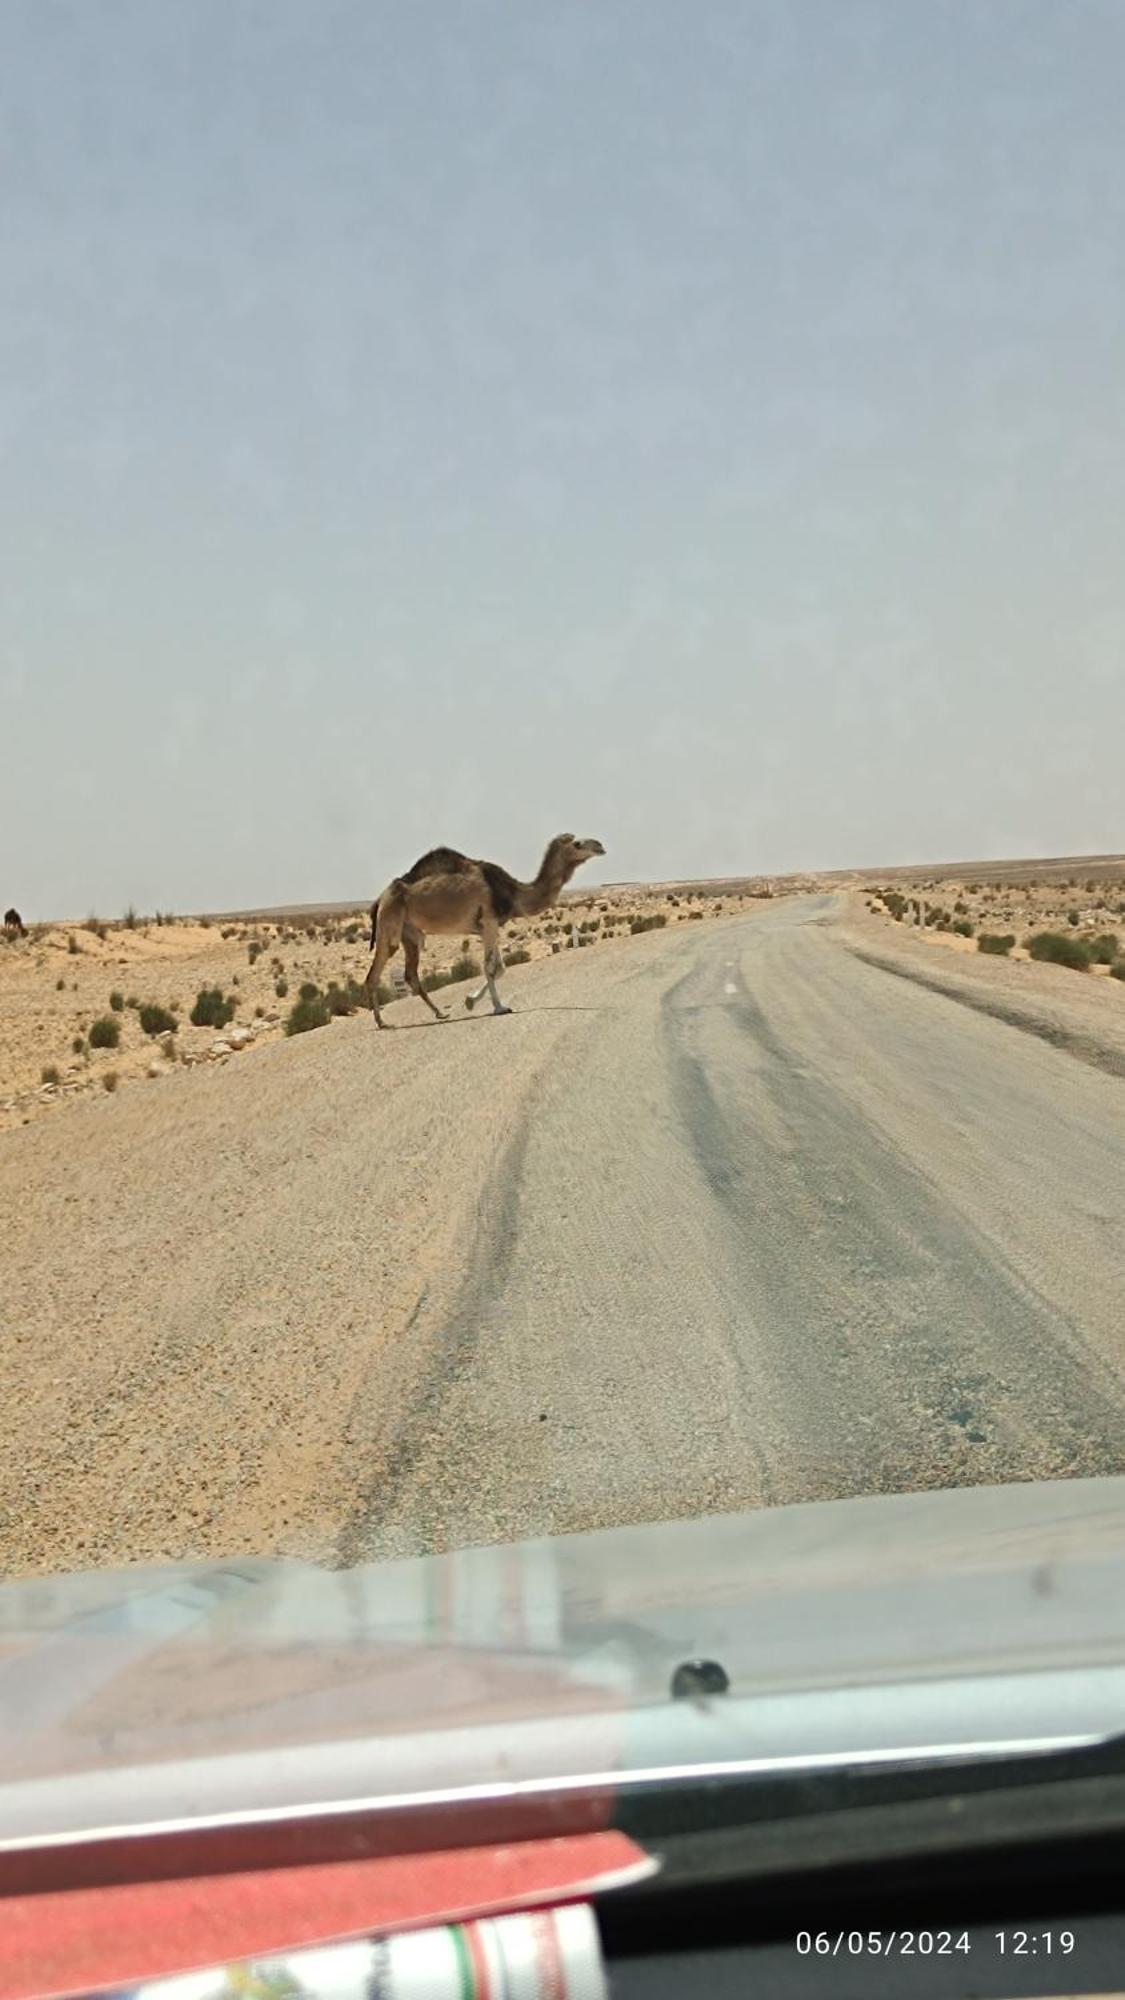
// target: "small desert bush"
[[105, 1033], [117, 1002], [156, 1020], [432, 980], [337, 1000], [1103, 948], [310, 990], [130, 919], [1117, 969], [998, 946], [518, 956], [50, 1073], [109, 1080], [259, 1013], [695, 916], [464, 967], [1054, 948], [962, 926], [60, 985], [72, 945], [1072, 917], [95, 925], [281, 988], [306, 1014], [212, 1009], [78, 1045]]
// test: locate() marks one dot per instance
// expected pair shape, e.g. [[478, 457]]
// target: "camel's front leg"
[[493, 964], [472, 998]]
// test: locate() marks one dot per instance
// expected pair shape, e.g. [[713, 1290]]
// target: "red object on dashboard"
[[68, 1941]]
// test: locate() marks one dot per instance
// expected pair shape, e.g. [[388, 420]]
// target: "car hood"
[[924, 1626]]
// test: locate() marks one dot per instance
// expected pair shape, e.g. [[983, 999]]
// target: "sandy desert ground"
[[779, 1200], [56, 983]]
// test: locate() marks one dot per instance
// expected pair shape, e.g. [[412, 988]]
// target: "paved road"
[[723, 1215], [776, 1226]]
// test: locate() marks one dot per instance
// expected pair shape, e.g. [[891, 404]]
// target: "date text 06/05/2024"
[[931, 1944]]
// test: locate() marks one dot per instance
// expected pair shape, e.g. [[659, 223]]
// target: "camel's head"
[[572, 852]]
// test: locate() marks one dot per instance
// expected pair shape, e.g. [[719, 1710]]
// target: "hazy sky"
[[693, 422]]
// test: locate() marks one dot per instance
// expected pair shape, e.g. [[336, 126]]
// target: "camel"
[[447, 892], [14, 926]]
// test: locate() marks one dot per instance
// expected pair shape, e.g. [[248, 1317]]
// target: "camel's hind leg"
[[388, 937], [412, 951]]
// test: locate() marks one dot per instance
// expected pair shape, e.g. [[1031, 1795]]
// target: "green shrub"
[[1054, 948], [130, 919], [998, 946], [95, 925], [432, 980], [281, 988], [962, 926], [109, 1080], [337, 1001], [1117, 969], [50, 1073], [60, 985], [72, 945], [306, 1014], [78, 1045], [1103, 948], [310, 990], [211, 1009], [117, 1002], [156, 1020], [519, 955], [1072, 917], [105, 1033]]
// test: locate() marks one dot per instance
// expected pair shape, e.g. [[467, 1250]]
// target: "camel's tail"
[[395, 892]]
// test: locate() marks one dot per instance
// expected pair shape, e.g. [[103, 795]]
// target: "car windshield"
[[564, 956]]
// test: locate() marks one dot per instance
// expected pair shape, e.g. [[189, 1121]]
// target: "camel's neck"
[[534, 897]]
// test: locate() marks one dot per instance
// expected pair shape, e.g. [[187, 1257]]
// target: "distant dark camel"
[[446, 892], [14, 926]]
